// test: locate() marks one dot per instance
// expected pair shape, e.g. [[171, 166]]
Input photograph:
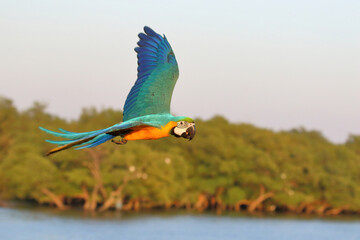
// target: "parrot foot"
[[121, 142]]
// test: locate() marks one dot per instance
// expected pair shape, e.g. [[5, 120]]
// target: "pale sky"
[[275, 64]]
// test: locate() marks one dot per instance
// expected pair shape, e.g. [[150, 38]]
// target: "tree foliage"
[[226, 160]]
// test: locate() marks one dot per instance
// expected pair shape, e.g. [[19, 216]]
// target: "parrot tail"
[[80, 140]]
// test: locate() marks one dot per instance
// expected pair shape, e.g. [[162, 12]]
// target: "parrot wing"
[[157, 75]]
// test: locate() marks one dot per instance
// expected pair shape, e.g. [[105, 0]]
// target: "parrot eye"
[[182, 124]]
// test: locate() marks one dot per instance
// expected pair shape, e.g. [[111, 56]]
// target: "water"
[[29, 224]]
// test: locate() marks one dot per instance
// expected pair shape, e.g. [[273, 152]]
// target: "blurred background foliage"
[[226, 164]]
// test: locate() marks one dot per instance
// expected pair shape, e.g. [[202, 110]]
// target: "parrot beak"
[[190, 132]]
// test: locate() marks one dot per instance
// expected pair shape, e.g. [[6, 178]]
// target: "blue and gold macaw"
[[147, 107]]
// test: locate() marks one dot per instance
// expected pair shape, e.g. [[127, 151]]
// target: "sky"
[[275, 64]]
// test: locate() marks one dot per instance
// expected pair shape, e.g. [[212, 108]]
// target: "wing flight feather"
[[157, 75]]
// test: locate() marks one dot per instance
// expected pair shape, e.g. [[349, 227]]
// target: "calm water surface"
[[48, 224]]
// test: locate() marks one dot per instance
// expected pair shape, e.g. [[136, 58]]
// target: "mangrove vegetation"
[[228, 166]]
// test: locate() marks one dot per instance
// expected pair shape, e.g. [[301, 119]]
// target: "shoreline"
[[330, 213]]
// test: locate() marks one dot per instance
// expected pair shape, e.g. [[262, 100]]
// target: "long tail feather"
[[81, 140], [102, 139], [72, 135], [63, 147]]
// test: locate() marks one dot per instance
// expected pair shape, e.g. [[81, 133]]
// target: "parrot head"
[[185, 128]]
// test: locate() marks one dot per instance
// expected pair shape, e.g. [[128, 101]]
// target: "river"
[[49, 224]]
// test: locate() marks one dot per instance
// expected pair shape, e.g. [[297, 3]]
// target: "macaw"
[[146, 112]]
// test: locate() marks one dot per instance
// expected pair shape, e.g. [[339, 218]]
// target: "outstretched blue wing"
[[157, 75]]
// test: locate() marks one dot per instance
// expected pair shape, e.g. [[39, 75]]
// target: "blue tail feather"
[[102, 139], [68, 135], [59, 143], [86, 139], [74, 135], [94, 138]]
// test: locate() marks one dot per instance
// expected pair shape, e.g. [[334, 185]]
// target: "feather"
[[149, 44], [147, 61], [152, 33], [144, 54], [54, 150], [151, 40], [99, 141]]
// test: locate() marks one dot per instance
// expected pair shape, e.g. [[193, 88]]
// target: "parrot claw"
[[121, 142]]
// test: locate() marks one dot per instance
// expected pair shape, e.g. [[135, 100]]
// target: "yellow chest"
[[150, 132]]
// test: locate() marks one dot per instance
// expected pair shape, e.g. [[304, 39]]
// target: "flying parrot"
[[146, 112]]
